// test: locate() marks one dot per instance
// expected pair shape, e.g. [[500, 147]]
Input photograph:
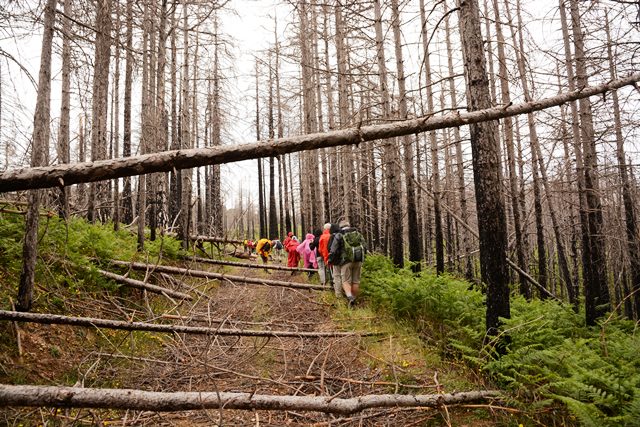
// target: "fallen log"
[[213, 239], [244, 264], [166, 161], [139, 400], [56, 319], [142, 285], [218, 276]]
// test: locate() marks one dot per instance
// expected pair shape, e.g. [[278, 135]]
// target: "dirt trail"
[[337, 367]]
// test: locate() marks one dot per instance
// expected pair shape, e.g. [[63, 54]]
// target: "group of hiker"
[[336, 252]]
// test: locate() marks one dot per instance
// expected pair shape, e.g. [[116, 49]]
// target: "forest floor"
[[396, 361]]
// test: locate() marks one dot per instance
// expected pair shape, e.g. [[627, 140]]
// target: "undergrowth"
[[555, 369]]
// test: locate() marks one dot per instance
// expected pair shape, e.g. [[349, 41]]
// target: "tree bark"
[[65, 107], [487, 173], [597, 299], [633, 245], [90, 322], [415, 235], [247, 265], [41, 134], [507, 125], [143, 285], [395, 237], [127, 197], [217, 276], [24, 395], [44, 177], [97, 192]]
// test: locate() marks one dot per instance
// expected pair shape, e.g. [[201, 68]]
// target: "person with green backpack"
[[347, 252]]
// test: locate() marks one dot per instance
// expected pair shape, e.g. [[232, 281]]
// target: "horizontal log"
[[142, 285], [56, 319], [218, 276], [248, 265], [76, 397], [67, 174], [212, 239]]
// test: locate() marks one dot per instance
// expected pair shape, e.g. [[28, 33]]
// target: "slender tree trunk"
[[597, 299], [185, 136], [462, 192], [633, 245], [41, 134], [487, 173], [507, 124], [175, 176], [97, 196], [394, 207], [217, 208], [273, 213], [65, 107], [127, 199], [415, 236], [115, 113]]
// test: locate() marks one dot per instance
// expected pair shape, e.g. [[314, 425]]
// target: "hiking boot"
[[352, 301]]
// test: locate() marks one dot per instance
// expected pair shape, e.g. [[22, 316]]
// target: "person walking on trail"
[[291, 248], [287, 240], [335, 259], [323, 255], [351, 244], [307, 254], [263, 248], [314, 246], [277, 248]]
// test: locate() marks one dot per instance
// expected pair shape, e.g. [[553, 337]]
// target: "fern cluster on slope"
[[555, 366]]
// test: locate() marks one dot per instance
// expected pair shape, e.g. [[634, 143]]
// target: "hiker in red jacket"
[[291, 248]]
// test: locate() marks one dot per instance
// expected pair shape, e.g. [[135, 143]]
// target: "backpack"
[[353, 247]]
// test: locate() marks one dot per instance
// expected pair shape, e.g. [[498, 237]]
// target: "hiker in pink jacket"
[[306, 253]]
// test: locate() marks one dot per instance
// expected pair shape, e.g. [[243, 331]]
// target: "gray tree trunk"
[[41, 134]]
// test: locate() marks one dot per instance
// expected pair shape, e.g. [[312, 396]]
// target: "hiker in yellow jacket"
[[263, 248]]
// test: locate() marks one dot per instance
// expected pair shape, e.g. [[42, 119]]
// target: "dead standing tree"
[[41, 134], [492, 225]]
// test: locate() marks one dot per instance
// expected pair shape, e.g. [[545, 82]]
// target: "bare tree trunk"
[[127, 198], [97, 195], [273, 213], [537, 203], [633, 245], [261, 204], [217, 208], [507, 124], [394, 209], [115, 114], [535, 147], [22, 395], [597, 298], [44, 177], [41, 134], [487, 173], [65, 106], [185, 135], [462, 192], [415, 236], [175, 176], [435, 169]]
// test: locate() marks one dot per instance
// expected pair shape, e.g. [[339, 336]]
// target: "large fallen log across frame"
[[142, 285], [67, 174], [218, 276], [76, 397], [56, 319], [244, 264]]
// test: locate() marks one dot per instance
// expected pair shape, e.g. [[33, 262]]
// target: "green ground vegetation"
[[555, 367]]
